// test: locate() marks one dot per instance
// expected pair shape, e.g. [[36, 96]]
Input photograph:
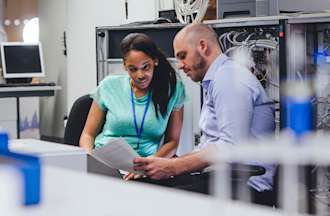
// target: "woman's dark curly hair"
[[163, 82]]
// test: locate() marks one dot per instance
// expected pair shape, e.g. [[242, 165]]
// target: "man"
[[235, 107]]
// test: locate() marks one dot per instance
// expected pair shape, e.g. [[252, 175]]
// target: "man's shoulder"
[[232, 75], [238, 72]]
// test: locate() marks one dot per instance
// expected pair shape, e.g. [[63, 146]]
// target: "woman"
[[142, 107]]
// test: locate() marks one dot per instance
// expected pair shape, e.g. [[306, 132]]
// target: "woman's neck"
[[138, 92]]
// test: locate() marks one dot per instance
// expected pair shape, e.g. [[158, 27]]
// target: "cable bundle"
[[189, 11]]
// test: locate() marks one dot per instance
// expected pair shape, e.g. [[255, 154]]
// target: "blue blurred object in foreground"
[[29, 167], [297, 107]]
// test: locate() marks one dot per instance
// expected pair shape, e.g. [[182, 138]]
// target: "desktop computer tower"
[[245, 8]]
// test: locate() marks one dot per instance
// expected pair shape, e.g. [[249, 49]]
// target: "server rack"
[[263, 39], [308, 59]]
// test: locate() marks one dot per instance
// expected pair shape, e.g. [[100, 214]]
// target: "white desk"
[[26, 91], [54, 154], [66, 192]]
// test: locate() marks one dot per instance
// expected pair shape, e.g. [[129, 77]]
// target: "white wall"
[[141, 10], [52, 21], [3, 34], [165, 5], [82, 18]]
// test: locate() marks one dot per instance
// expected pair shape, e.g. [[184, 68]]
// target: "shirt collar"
[[213, 69]]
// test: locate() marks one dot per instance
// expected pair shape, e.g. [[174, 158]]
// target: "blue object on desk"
[[30, 170]]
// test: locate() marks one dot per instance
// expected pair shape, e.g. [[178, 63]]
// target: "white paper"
[[117, 154]]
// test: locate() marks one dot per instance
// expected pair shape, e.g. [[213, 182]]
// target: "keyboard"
[[26, 84]]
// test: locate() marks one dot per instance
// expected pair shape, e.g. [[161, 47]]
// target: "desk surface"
[[28, 91], [66, 192], [42, 148], [29, 88], [54, 154]]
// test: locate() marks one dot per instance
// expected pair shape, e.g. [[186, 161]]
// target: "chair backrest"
[[76, 120]]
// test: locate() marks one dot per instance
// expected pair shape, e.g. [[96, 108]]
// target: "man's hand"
[[155, 167]]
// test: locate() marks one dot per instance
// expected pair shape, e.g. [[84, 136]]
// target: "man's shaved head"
[[192, 33], [196, 46]]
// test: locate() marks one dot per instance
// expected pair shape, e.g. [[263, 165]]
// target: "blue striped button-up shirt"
[[236, 107]]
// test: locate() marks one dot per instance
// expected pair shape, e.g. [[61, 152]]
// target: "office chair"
[[76, 120]]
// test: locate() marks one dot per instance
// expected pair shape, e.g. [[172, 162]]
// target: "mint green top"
[[113, 96]]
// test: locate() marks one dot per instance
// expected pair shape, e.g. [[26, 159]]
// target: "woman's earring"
[[156, 64]]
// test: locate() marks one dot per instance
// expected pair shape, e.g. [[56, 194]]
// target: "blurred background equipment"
[[253, 8], [257, 49], [189, 11], [22, 60], [256, 44], [246, 8]]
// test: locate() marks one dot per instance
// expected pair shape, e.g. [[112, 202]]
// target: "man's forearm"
[[192, 162]]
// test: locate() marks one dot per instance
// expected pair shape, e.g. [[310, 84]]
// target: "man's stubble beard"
[[199, 67]]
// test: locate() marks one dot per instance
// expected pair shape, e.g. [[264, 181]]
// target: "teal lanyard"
[[139, 130]]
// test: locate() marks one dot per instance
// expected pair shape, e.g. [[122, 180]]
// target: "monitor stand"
[[18, 80]]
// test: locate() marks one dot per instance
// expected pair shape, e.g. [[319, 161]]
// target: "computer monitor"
[[22, 60]]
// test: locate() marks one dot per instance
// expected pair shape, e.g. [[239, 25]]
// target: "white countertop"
[[66, 192], [30, 88], [42, 148]]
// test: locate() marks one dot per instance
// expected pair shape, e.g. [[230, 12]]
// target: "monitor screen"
[[21, 60]]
